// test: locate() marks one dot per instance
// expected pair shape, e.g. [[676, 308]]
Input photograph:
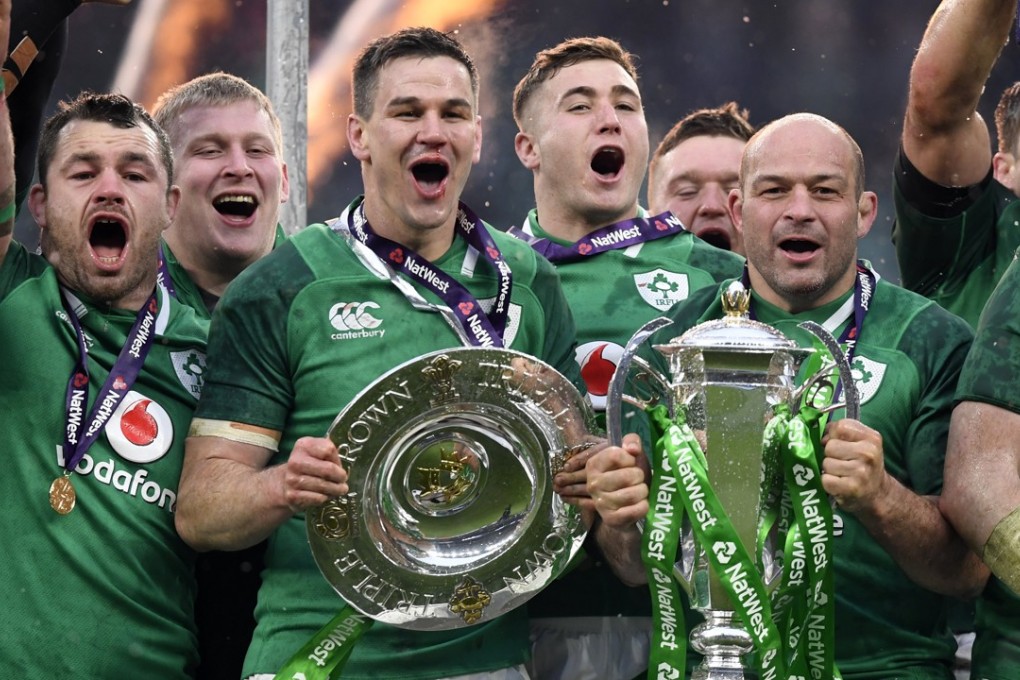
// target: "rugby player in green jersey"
[[694, 168], [228, 154], [228, 148], [956, 225], [584, 137], [956, 229], [306, 328], [801, 208], [103, 373]]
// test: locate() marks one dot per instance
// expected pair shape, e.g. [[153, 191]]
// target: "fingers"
[[617, 483], [313, 474], [853, 470]]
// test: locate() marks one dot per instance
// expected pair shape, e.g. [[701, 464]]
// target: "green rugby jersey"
[[611, 295], [614, 293], [956, 261], [287, 360], [106, 591], [907, 361], [989, 376], [187, 291]]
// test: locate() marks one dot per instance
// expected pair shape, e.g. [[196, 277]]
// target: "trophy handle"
[[851, 397], [616, 396]]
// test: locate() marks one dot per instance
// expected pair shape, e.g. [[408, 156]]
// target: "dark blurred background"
[[848, 61]]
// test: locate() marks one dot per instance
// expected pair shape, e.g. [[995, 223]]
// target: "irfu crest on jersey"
[[662, 289], [189, 366], [867, 376]]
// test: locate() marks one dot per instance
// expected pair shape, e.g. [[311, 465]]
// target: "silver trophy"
[[728, 375], [451, 519]]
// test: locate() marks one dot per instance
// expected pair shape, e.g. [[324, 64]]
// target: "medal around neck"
[[451, 518], [62, 495], [731, 387]]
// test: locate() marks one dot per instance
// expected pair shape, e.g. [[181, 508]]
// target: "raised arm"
[[944, 137], [230, 498]]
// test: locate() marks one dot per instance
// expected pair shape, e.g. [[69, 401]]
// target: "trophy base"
[[724, 644]]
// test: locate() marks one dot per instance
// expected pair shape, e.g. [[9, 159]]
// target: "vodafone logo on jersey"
[[355, 320], [140, 430], [598, 361]]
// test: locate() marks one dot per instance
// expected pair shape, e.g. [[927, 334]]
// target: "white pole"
[[287, 87]]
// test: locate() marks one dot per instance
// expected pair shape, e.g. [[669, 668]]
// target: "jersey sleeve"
[[941, 233], [249, 378], [988, 375]]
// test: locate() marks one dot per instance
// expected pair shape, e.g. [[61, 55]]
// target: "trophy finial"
[[736, 301]]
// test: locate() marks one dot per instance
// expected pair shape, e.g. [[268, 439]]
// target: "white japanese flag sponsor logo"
[[140, 430], [598, 361], [662, 289]]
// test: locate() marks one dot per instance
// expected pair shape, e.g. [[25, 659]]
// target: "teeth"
[[235, 199]]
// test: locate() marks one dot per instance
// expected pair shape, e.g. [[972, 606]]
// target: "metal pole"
[[287, 87]]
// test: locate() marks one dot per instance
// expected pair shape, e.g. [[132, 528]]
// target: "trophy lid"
[[735, 332]]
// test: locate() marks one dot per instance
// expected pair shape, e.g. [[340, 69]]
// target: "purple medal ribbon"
[[614, 237], [864, 289], [163, 274], [484, 330], [122, 376]]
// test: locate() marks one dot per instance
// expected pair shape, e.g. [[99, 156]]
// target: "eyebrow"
[[813, 179], [695, 174], [416, 101], [588, 91], [126, 158], [222, 137]]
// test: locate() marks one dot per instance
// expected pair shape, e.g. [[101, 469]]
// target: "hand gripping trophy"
[[737, 513]]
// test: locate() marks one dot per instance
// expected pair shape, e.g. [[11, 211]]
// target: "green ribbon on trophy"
[[793, 630], [324, 656]]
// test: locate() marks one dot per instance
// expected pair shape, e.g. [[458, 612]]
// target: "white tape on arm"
[[235, 432]]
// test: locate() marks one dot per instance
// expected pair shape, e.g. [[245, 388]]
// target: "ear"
[[735, 208], [527, 151], [37, 204], [357, 138], [1003, 168], [284, 184], [477, 156], [867, 211], [173, 199]]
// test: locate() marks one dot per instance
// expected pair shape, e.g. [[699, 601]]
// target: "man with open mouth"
[[102, 376], [897, 562], [228, 149], [406, 269], [584, 137]]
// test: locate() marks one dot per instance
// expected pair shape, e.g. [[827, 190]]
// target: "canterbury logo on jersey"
[[355, 320], [139, 431]]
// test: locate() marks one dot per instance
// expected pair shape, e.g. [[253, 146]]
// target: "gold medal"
[[62, 495]]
